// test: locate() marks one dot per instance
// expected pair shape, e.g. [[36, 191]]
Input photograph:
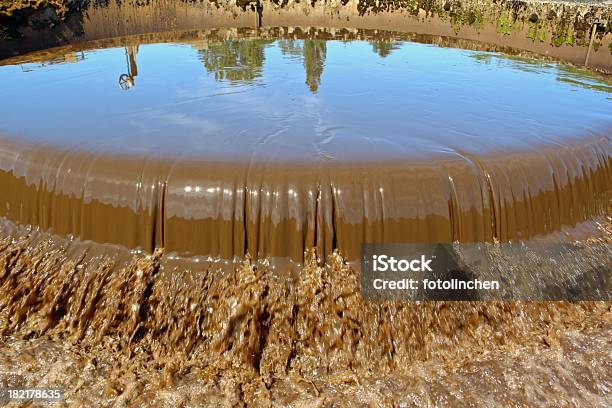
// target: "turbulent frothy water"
[[110, 326]]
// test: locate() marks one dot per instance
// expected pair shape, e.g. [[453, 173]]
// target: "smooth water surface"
[[273, 99]]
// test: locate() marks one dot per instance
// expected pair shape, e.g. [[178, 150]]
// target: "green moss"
[[569, 39], [505, 23], [532, 32], [460, 17], [431, 7], [563, 33], [542, 32]]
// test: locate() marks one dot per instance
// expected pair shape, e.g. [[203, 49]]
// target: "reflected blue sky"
[[301, 98]]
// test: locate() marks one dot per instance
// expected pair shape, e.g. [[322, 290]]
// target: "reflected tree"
[[291, 48], [312, 53], [242, 60], [315, 52], [235, 60], [384, 48]]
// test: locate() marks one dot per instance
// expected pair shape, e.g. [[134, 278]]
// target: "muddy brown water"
[[114, 328], [270, 146], [195, 147]]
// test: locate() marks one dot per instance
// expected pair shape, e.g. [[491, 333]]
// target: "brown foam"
[[106, 325]]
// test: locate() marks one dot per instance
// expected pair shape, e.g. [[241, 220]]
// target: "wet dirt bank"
[[110, 326], [557, 29]]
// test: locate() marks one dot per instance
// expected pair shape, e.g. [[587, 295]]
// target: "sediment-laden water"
[[112, 327], [178, 158], [221, 145]]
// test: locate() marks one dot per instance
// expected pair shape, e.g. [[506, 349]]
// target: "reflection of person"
[[126, 81]]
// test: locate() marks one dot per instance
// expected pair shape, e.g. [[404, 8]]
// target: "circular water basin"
[[230, 142]]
